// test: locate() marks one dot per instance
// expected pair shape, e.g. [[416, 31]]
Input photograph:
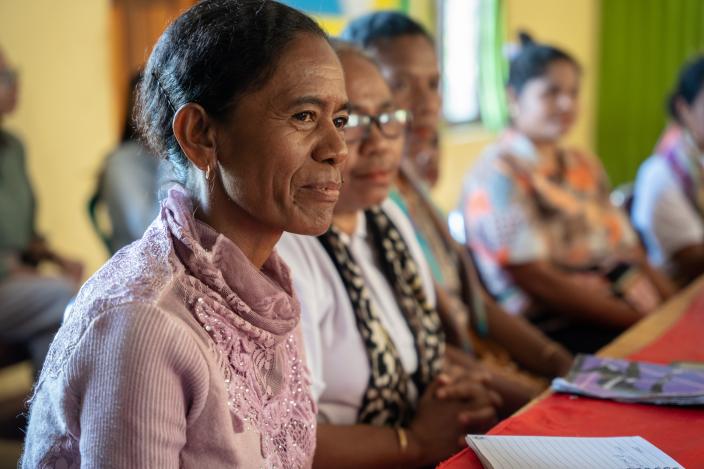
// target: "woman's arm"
[[435, 433], [513, 393], [567, 296], [525, 343], [662, 284], [689, 262], [455, 320], [370, 446], [140, 378]]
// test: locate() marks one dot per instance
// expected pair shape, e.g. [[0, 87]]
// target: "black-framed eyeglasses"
[[391, 124]]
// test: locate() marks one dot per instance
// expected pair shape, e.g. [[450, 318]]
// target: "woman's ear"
[[195, 134], [684, 112]]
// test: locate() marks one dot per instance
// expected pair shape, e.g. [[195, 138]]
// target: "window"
[[459, 56]]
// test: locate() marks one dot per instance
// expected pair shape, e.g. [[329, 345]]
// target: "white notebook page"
[[544, 452]]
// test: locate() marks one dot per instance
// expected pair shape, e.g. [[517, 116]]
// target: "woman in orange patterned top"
[[548, 242]]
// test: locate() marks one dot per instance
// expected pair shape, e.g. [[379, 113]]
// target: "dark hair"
[[342, 47], [533, 60], [370, 29], [689, 84], [212, 55], [129, 127]]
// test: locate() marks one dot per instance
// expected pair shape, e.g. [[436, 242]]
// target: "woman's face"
[[373, 160], [410, 66], [692, 116], [281, 150], [8, 87], [424, 155], [547, 106]]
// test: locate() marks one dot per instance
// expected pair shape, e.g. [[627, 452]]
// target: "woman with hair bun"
[[668, 199], [183, 350], [549, 244]]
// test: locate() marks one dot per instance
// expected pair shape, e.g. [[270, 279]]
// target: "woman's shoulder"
[[654, 168], [139, 278], [139, 272], [581, 158], [120, 339], [399, 217], [306, 259], [508, 156]]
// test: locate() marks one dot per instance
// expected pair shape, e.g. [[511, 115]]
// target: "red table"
[[675, 332]]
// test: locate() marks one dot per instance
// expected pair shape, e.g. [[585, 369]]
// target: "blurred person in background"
[[31, 304], [128, 184], [549, 243], [668, 198]]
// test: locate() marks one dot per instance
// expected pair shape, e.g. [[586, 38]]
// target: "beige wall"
[[66, 109], [571, 24], [67, 113]]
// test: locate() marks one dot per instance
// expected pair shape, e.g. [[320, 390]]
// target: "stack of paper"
[[631, 381], [543, 452]]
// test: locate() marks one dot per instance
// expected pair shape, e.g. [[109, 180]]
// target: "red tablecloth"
[[678, 431]]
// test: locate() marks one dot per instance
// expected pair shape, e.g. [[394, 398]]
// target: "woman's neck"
[[346, 222], [256, 240], [546, 148], [548, 151]]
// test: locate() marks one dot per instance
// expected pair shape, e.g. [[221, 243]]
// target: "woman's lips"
[[377, 176], [324, 191]]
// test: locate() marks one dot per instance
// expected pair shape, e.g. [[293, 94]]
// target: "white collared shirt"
[[662, 212], [335, 352]]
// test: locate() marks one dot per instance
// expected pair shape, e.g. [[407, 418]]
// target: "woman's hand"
[[592, 281], [440, 424]]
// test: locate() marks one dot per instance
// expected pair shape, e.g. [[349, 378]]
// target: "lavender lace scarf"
[[250, 314]]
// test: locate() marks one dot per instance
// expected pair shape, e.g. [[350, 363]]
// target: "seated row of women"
[[549, 243], [298, 294]]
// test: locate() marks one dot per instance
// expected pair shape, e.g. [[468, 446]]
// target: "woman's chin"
[[311, 224]]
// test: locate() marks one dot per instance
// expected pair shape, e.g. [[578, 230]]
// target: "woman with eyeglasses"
[[184, 350], [374, 343], [31, 304], [549, 243]]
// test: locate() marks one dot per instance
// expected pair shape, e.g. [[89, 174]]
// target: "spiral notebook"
[[548, 452]]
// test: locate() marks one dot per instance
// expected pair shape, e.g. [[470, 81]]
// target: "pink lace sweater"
[[177, 353]]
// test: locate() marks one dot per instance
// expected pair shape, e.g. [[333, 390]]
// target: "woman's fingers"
[[467, 388], [478, 420], [495, 399]]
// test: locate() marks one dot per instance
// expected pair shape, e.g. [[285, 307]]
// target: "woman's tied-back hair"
[[689, 85], [212, 55], [533, 60], [369, 30]]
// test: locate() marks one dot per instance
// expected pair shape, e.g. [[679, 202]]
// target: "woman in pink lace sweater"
[[183, 350]]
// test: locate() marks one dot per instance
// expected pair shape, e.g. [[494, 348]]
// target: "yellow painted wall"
[[66, 114], [571, 24]]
